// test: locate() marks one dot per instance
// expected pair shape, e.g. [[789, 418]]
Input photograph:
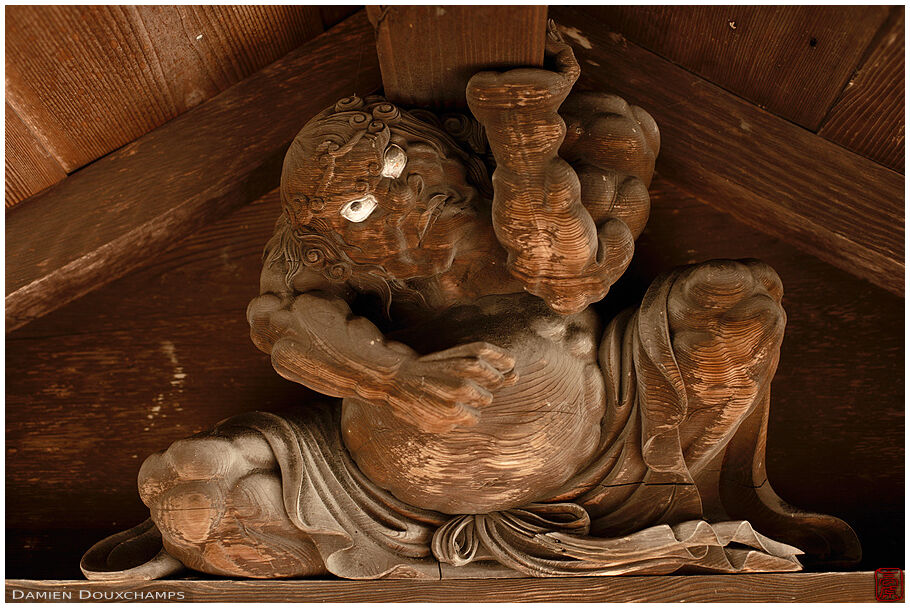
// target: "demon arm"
[[314, 339], [568, 239]]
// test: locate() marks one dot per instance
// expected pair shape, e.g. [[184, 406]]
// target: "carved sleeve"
[[554, 245]]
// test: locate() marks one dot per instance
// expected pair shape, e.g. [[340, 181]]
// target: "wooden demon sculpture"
[[480, 418]]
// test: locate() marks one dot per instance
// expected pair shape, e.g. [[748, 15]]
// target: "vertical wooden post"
[[427, 54]]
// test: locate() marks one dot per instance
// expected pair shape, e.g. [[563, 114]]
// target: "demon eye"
[[394, 161], [359, 209]]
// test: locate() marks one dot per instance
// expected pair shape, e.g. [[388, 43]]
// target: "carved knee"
[[739, 299]]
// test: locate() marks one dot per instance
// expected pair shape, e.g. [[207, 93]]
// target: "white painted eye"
[[359, 209], [393, 161]]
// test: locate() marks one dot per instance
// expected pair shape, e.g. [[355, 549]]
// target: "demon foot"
[[217, 500], [727, 324]]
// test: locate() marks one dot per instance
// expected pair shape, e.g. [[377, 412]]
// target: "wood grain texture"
[[868, 118], [453, 43], [792, 61], [29, 166], [138, 201], [88, 80], [446, 421], [563, 245], [319, 260], [484, 424], [165, 352], [814, 587], [762, 169]]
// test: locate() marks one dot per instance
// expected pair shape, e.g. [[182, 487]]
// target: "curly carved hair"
[[301, 250]]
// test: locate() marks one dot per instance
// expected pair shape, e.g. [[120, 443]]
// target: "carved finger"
[[496, 356], [599, 190], [553, 33], [289, 358], [711, 285], [766, 277], [477, 370], [632, 205], [615, 251], [433, 415], [262, 307], [585, 103], [608, 194], [562, 58], [649, 127], [618, 142], [510, 377], [268, 322], [460, 391]]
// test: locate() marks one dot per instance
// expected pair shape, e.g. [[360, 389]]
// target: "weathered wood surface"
[[791, 60], [868, 118], [29, 166], [452, 43], [762, 169], [165, 352], [801, 587], [113, 215], [449, 415], [89, 79]]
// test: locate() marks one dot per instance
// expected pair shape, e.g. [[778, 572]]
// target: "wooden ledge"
[[128, 207], [790, 587]]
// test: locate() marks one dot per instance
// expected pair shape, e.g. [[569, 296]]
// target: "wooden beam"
[[129, 206], [791, 60], [798, 587], [30, 168], [869, 116], [428, 53], [760, 168], [90, 79]]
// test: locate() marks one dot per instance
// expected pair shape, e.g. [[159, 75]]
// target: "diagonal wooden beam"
[[760, 168], [129, 206]]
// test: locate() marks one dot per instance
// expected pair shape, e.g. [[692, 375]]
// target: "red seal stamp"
[[889, 585]]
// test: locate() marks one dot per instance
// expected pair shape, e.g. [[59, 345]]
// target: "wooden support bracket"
[[428, 53]]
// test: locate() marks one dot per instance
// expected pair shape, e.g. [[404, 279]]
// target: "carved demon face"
[[374, 187]]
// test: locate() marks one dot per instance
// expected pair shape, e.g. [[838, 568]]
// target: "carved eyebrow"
[[393, 161]]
